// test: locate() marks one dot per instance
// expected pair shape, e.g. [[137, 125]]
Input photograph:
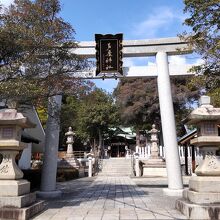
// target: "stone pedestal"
[[70, 161], [154, 170], [155, 165], [14, 187], [202, 199], [16, 201]]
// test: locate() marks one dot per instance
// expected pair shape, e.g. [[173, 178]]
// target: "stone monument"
[[155, 165], [202, 199], [70, 160], [16, 201]]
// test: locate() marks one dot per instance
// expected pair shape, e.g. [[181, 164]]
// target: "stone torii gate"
[[161, 49]]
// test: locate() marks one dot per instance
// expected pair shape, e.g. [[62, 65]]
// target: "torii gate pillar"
[[175, 183]]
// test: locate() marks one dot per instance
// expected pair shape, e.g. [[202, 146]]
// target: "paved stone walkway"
[[110, 198]]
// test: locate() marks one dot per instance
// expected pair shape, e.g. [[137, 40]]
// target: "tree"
[[96, 114], [34, 51], [138, 102], [70, 109], [36, 63], [204, 19]]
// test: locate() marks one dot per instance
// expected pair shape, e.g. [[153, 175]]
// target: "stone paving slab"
[[111, 198]]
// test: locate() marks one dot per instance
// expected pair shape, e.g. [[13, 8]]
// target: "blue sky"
[[140, 19], [136, 19]]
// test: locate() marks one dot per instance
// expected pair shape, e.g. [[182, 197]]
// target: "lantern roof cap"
[[70, 132], [205, 112], [12, 117]]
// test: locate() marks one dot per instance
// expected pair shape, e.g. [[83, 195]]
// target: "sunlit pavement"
[[112, 198]]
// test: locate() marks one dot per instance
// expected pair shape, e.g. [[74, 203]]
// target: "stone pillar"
[[137, 168], [49, 171], [175, 183], [90, 165], [127, 152]]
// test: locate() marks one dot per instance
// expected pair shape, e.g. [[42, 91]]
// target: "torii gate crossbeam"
[[140, 48]]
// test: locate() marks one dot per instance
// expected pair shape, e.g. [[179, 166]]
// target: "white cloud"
[[160, 18], [151, 63], [199, 62], [136, 61], [6, 2], [178, 60], [173, 60], [128, 62]]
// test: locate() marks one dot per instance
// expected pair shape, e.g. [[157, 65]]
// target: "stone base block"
[[68, 162], [14, 187], [185, 193], [156, 161], [203, 197], [21, 213], [173, 192], [17, 201], [81, 172], [49, 195], [154, 171], [205, 184], [196, 211]]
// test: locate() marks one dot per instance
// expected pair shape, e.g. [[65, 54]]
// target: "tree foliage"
[[90, 115], [138, 101], [97, 114], [35, 61], [204, 19]]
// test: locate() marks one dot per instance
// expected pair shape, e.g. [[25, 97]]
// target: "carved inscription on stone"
[[5, 163], [212, 164], [4, 169]]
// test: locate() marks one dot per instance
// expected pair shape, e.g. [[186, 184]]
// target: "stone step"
[[114, 174], [22, 213], [112, 165], [116, 167], [116, 171]]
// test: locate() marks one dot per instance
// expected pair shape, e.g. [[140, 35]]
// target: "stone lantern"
[[14, 191], [11, 125], [207, 118], [155, 165], [70, 140], [204, 189], [70, 161]]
